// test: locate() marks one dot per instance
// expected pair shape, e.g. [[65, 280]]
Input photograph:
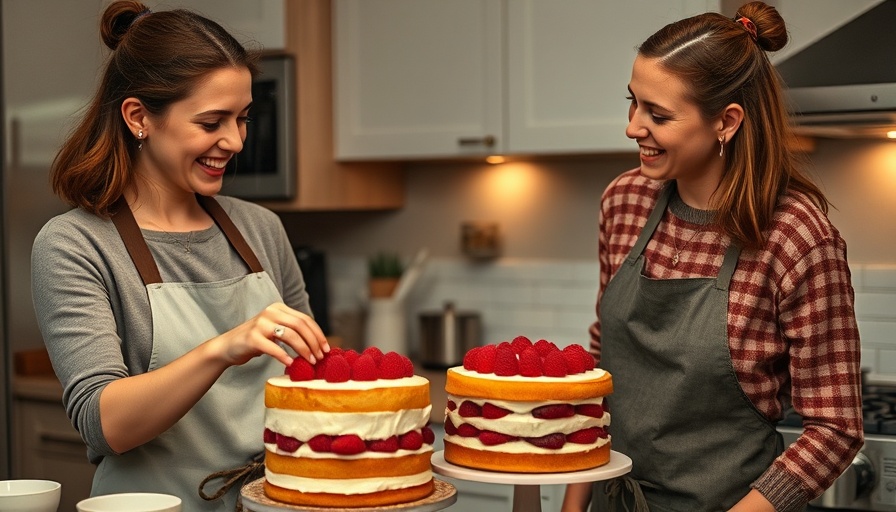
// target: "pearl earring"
[[721, 145], [140, 139]]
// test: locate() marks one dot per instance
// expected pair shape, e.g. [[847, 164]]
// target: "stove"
[[869, 483]]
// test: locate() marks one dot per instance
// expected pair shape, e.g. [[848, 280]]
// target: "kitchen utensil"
[[447, 335], [411, 274], [131, 502], [29, 495]]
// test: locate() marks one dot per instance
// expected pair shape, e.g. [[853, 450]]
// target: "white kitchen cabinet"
[[448, 78]]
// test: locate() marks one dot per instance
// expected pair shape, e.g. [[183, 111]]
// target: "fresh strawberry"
[[490, 438], [300, 369], [288, 444], [338, 369], [351, 356], [451, 405], [320, 367], [469, 409], [450, 429], [574, 362], [530, 363], [334, 351], [391, 367], [270, 436], [554, 411], [348, 444], [544, 347], [593, 410], [555, 364], [506, 363], [375, 353], [408, 366], [467, 430], [320, 443], [429, 437], [584, 436], [412, 440], [520, 343], [550, 441], [388, 445], [492, 412], [471, 359], [364, 369], [603, 433], [487, 359]]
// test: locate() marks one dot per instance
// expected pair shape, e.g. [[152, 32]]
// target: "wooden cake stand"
[[527, 486], [255, 500]]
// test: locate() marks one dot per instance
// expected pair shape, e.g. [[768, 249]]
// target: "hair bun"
[[117, 20], [771, 31]]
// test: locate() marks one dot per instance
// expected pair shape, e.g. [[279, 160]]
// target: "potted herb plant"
[[384, 271]]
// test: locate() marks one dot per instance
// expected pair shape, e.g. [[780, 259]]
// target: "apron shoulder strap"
[[133, 240], [652, 222], [231, 232]]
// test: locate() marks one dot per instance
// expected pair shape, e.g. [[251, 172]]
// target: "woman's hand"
[[263, 333]]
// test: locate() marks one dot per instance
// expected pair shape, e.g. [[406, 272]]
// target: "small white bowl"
[[131, 502], [29, 495]]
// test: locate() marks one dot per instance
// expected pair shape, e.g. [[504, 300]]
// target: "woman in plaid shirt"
[[725, 293]]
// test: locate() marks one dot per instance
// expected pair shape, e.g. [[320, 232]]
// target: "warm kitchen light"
[[495, 159], [891, 134]]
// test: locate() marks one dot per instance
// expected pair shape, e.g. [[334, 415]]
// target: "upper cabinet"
[[446, 78]]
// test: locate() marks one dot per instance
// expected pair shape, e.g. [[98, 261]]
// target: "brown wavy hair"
[[158, 58], [724, 63]]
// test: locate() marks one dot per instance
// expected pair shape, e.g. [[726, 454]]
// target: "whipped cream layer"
[[303, 425], [347, 485], [521, 423]]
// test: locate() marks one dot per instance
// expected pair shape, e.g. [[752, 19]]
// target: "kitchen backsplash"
[[555, 300]]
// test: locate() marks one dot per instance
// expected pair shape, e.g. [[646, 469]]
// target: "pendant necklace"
[[178, 241], [675, 258]]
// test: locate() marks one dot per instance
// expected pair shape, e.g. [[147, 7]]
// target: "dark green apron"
[[695, 439]]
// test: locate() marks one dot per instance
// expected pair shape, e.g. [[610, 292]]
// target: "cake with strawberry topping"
[[523, 407], [350, 431]]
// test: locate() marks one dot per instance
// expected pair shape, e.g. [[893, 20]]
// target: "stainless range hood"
[[844, 85]]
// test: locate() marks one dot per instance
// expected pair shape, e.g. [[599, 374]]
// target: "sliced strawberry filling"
[[351, 444], [553, 441]]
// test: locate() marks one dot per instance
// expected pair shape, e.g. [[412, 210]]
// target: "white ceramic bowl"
[[29, 495], [130, 502]]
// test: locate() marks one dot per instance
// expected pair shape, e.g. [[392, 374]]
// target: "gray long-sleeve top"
[[93, 309]]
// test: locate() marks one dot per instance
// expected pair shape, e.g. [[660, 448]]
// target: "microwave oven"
[[266, 167]]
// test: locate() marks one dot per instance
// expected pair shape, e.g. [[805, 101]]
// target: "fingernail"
[[311, 359], [326, 347]]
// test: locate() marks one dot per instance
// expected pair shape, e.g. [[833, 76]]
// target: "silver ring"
[[278, 331]]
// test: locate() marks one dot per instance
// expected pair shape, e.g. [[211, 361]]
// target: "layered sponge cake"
[[523, 407], [350, 431]]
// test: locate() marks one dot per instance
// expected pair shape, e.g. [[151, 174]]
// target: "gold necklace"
[[675, 258], [177, 240]]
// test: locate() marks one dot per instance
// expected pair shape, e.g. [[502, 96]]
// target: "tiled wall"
[[555, 300]]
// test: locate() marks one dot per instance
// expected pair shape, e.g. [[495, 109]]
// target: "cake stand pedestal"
[[527, 486], [255, 500]]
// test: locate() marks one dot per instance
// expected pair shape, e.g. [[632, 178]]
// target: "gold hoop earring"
[[721, 145]]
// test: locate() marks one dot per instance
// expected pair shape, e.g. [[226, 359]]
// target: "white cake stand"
[[527, 486]]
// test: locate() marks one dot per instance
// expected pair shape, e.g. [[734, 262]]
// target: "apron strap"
[[652, 222], [231, 232], [729, 264], [130, 233], [133, 240]]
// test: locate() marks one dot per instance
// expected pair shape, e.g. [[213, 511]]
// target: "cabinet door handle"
[[487, 141]]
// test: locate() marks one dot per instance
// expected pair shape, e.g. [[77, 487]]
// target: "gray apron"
[[695, 439], [224, 429]]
